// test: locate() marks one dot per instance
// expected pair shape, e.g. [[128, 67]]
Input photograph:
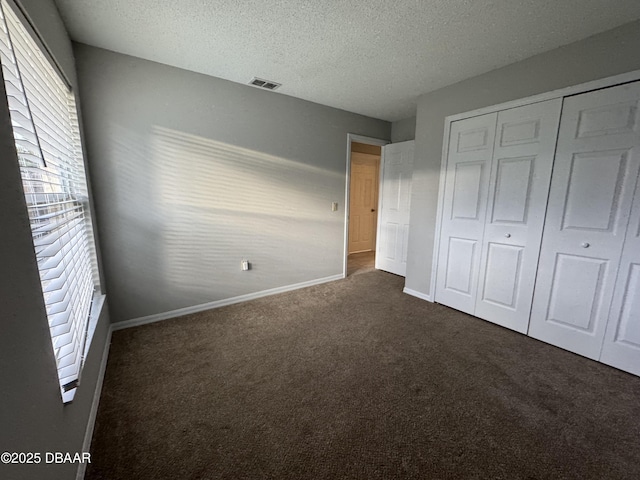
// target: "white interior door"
[[363, 202], [395, 202], [464, 207], [595, 172], [518, 189], [621, 346]]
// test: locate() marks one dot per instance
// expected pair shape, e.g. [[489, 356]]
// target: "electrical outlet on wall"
[[334, 206], [246, 265]]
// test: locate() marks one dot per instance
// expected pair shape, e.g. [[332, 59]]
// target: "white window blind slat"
[[16, 102], [55, 232], [5, 54], [58, 322], [62, 258], [44, 121], [9, 72], [22, 118], [52, 285], [58, 302], [67, 273], [47, 243], [24, 146], [71, 359], [66, 330], [50, 210], [73, 274], [25, 134], [69, 354], [3, 40]]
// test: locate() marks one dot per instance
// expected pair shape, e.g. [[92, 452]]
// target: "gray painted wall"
[[403, 130], [602, 55], [192, 174], [32, 416]]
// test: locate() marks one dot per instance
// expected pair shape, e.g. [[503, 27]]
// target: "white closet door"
[[621, 346], [464, 208], [518, 190], [594, 176], [395, 205]]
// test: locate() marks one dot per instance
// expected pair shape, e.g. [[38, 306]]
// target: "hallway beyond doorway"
[[361, 263]]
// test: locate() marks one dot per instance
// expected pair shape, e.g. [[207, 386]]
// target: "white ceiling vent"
[[268, 84]]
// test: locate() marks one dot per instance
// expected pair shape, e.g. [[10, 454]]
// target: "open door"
[[394, 205]]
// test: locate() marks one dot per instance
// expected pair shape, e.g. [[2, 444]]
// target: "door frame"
[[351, 137], [560, 93]]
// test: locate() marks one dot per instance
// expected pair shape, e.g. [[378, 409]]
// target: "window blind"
[[46, 133]]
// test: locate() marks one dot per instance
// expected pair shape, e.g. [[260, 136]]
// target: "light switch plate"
[[334, 207]]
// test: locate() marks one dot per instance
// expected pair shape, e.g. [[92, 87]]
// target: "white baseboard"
[[420, 295], [88, 435], [219, 303]]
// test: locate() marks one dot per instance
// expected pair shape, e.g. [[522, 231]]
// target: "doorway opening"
[[363, 184]]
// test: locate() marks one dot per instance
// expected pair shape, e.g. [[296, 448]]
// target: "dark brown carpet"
[[355, 379]]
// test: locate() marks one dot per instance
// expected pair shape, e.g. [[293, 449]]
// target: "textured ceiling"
[[372, 57]]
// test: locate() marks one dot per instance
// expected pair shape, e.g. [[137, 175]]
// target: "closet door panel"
[[465, 200], [518, 189], [594, 176], [621, 346]]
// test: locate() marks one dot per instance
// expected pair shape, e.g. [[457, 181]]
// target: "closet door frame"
[[561, 93]]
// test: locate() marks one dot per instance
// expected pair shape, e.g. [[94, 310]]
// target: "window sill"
[[96, 311]]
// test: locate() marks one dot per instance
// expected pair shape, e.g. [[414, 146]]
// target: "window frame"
[[81, 201]]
